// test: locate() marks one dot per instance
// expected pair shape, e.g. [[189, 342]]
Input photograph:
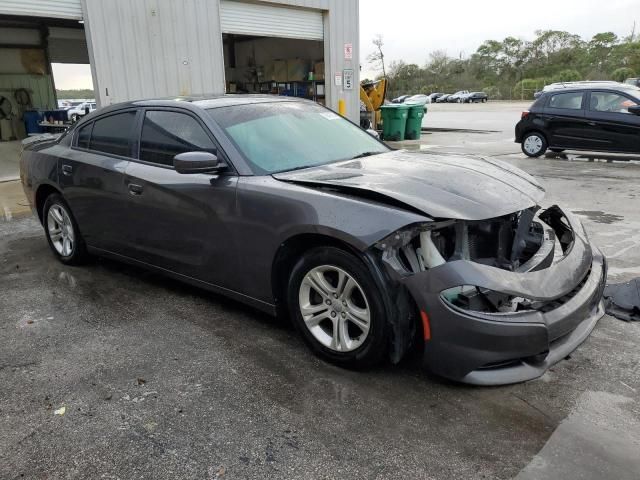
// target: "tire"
[[313, 283], [534, 144], [484, 100], [74, 118], [62, 232]]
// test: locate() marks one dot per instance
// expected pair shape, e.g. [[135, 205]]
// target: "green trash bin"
[[414, 122], [394, 122]]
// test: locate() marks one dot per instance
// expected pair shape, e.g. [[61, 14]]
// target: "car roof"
[[203, 101], [611, 86]]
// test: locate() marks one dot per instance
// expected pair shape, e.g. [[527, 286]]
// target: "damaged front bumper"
[[495, 348]]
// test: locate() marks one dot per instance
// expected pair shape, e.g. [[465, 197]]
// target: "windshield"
[[281, 136]]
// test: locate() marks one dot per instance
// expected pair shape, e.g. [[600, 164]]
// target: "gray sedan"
[[288, 207]]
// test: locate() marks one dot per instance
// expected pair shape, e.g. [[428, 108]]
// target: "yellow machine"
[[372, 95]]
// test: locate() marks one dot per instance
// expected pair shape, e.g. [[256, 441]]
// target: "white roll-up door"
[[270, 21], [68, 9]]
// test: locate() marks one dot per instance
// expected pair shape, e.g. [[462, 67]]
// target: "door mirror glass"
[[197, 162]]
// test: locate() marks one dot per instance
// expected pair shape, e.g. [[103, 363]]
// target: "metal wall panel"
[[138, 49], [154, 48], [68, 9], [270, 20]]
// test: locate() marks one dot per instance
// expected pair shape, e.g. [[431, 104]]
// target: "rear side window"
[[84, 135], [167, 134], [112, 134], [571, 101]]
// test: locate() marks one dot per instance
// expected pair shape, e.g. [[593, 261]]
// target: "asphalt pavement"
[[108, 371]]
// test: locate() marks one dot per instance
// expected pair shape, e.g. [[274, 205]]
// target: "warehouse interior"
[[28, 47], [274, 65]]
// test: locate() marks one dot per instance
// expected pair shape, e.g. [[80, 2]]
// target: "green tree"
[[621, 74]]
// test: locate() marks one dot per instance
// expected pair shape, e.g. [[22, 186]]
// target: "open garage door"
[[261, 20]]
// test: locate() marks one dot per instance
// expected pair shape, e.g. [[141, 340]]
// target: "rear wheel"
[[62, 231], [534, 144], [336, 306]]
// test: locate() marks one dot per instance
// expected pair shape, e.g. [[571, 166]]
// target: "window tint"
[[84, 134], [166, 134], [571, 101], [610, 102], [112, 134]]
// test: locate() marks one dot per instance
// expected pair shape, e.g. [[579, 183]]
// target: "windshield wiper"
[[366, 154]]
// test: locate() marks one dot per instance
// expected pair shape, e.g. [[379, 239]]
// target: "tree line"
[[514, 68]]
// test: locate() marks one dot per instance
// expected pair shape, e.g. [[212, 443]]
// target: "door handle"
[[592, 124], [67, 169], [135, 189]]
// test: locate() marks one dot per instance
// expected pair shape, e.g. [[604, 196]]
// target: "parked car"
[[284, 205], [458, 97], [400, 99], [80, 109], [418, 100], [602, 118], [476, 97], [585, 83], [434, 96], [633, 81], [443, 98]]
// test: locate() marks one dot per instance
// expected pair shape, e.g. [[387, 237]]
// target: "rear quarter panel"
[[38, 167]]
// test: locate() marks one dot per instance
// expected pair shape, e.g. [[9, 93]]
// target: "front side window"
[[167, 134], [112, 134], [281, 136], [610, 102], [571, 101]]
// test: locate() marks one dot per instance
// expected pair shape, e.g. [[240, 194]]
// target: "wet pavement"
[[160, 380]]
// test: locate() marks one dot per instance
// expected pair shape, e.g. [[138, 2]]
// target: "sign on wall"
[[348, 51], [348, 79]]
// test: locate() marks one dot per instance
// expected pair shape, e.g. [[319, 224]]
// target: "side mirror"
[[197, 162], [635, 109]]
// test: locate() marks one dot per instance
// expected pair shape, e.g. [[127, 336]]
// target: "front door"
[[612, 126], [180, 222]]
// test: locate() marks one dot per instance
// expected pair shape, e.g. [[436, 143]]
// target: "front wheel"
[[534, 144], [336, 306], [62, 232]]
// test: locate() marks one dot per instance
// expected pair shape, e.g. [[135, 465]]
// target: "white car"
[[77, 111]]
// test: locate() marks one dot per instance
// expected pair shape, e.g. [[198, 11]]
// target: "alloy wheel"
[[61, 230], [334, 308]]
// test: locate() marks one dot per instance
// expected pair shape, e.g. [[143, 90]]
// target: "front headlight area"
[[505, 242]]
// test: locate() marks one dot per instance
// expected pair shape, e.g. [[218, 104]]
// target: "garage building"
[[163, 48]]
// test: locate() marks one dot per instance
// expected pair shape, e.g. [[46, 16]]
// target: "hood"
[[439, 185]]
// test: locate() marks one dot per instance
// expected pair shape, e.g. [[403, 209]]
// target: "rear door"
[[612, 127], [565, 122], [175, 221], [91, 175]]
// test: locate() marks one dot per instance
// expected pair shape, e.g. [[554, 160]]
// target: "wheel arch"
[[42, 193], [290, 251]]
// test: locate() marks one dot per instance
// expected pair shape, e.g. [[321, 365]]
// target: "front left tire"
[[337, 308], [62, 232]]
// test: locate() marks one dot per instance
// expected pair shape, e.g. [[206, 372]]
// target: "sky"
[[413, 28]]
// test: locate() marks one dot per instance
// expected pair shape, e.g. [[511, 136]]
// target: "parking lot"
[[111, 372]]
